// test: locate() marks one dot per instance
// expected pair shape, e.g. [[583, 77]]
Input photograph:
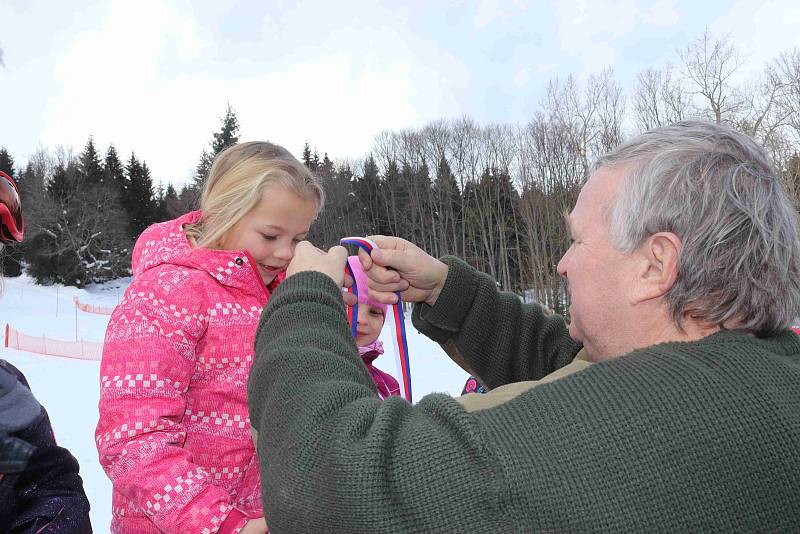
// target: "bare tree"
[[591, 113], [659, 99], [786, 67], [552, 172], [708, 65]]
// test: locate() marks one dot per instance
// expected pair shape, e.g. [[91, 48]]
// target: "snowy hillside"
[[68, 388]]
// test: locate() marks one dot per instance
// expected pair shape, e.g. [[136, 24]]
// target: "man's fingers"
[[365, 259], [382, 275], [383, 297], [349, 298], [385, 241], [338, 252], [400, 285], [400, 260]]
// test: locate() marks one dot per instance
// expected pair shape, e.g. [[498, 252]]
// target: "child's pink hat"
[[361, 284]]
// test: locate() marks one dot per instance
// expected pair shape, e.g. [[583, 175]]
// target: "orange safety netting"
[[90, 308], [81, 350]]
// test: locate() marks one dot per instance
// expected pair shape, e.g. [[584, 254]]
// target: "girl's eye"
[[376, 313], [268, 237]]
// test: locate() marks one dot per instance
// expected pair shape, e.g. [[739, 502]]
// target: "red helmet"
[[12, 224]]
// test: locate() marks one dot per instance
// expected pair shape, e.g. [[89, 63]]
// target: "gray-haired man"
[[684, 274]]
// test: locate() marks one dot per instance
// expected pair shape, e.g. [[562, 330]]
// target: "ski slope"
[[69, 389]]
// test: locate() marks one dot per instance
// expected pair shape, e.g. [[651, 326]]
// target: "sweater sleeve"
[[334, 458], [499, 338], [148, 363]]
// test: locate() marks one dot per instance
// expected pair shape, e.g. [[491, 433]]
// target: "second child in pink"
[[371, 316]]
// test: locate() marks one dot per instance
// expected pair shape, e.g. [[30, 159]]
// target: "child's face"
[[271, 230], [370, 323]]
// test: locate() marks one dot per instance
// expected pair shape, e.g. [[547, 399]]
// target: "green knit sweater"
[[701, 436]]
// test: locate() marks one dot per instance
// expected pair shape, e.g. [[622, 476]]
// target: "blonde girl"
[[174, 432]]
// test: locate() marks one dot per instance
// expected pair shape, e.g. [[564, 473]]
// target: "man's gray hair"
[[716, 190]]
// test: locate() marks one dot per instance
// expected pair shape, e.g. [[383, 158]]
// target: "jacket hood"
[[166, 243]]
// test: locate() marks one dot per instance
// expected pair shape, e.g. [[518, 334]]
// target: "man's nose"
[[561, 268]]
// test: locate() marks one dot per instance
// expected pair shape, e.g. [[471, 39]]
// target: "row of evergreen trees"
[[493, 194], [83, 213]]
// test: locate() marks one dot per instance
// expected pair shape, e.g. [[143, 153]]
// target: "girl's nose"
[[284, 252]]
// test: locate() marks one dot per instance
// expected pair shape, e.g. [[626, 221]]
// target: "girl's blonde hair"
[[236, 181]]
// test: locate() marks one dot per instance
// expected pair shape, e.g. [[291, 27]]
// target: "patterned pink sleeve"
[[148, 361]]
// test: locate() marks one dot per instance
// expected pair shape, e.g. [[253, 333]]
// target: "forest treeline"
[[493, 194]]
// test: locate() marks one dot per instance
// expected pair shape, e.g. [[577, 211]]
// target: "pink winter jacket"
[[174, 433]]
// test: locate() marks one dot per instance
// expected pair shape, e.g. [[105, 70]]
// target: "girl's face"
[[370, 323], [271, 230]]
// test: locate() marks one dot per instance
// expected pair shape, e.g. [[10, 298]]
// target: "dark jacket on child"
[[40, 489]]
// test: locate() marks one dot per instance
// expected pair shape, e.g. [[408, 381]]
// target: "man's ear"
[[658, 268]]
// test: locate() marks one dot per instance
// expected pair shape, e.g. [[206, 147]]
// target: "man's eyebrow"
[[567, 221]]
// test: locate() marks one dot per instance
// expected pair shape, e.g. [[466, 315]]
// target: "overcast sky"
[[155, 76]]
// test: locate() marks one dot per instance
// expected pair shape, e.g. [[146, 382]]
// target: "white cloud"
[[760, 30], [662, 13], [115, 82], [155, 76], [522, 77], [486, 12], [587, 30]]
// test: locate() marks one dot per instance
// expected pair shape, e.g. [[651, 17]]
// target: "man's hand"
[[255, 526], [307, 257], [402, 266]]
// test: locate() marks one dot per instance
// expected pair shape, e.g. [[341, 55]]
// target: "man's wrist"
[[437, 290]]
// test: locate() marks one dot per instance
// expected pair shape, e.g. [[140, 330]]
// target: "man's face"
[[599, 276]]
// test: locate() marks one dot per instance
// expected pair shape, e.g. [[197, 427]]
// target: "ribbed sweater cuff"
[[305, 286], [444, 319]]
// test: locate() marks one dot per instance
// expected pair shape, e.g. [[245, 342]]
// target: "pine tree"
[[189, 198], [169, 205], [447, 199], [6, 162], [314, 164], [202, 169], [325, 169], [367, 190], [395, 198], [138, 201], [113, 170], [89, 164], [227, 135], [307, 156]]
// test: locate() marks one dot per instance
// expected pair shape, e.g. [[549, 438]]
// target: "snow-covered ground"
[[69, 388]]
